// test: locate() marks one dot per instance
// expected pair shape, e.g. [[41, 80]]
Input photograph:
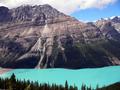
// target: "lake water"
[[101, 76]]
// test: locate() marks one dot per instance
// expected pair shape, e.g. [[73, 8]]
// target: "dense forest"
[[13, 84]]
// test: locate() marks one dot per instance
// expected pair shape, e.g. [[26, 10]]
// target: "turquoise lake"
[[102, 76]]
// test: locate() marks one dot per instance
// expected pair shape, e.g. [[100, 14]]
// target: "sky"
[[84, 10]]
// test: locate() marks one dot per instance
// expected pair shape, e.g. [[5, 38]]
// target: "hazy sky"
[[87, 10]]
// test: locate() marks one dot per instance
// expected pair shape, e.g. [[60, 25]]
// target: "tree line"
[[13, 84]]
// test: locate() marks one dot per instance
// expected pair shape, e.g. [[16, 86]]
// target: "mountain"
[[42, 37], [115, 21]]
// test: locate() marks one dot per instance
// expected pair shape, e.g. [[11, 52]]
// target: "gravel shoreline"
[[4, 70]]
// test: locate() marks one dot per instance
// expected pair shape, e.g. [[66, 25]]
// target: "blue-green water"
[[101, 76]]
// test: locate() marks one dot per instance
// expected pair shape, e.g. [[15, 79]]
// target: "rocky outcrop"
[[4, 14], [116, 19], [42, 37], [108, 30], [115, 22]]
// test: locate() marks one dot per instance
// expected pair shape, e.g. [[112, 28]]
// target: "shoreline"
[[4, 70]]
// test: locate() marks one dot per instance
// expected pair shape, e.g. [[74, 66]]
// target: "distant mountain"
[[42, 37], [115, 21]]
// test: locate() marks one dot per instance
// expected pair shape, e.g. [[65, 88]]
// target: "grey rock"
[[42, 37]]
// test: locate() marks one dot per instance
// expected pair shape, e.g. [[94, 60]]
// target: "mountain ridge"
[[42, 37]]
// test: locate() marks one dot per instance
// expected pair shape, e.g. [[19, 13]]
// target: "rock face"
[[116, 23], [4, 14], [108, 30], [116, 19], [42, 37]]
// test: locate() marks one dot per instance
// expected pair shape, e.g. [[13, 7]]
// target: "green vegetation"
[[108, 48], [115, 86], [13, 84], [96, 54]]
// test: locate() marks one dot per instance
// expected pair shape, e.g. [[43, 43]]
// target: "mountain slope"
[[42, 37]]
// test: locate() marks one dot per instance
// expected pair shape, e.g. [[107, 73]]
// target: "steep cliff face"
[[115, 22], [108, 30], [4, 14], [42, 37]]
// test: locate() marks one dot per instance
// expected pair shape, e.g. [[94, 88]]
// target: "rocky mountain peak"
[[41, 37], [33, 15], [116, 19], [4, 14], [26, 13]]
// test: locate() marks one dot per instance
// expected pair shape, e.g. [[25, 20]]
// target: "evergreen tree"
[[66, 85], [97, 87], [83, 87], [71, 88], [12, 82], [75, 88]]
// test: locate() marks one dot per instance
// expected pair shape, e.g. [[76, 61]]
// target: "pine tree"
[[71, 88], [83, 87], [97, 87], [75, 87], [66, 85], [12, 82]]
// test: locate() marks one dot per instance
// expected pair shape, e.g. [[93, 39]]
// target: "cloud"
[[66, 6]]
